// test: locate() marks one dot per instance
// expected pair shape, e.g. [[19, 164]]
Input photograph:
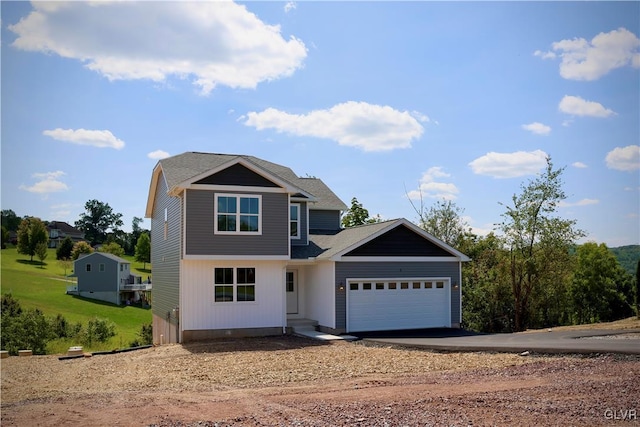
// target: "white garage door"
[[385, 304]]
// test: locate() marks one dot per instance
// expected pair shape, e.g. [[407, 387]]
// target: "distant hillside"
[[628, 257]]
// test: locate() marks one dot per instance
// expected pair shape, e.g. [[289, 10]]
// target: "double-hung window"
[[294, 220], [237, 213], [234, 284]]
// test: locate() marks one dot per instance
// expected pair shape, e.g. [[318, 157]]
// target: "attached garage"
[[404, 303]]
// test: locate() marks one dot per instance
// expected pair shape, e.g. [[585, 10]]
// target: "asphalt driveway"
[[625, 341]]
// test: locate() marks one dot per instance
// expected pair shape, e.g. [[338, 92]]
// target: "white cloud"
[[537, 128], [579, 165], [420, 117], [583, 202], [624, 158], [430, 187], [211, 42], [580, 107], [509, 165], [354, 124], [544, 55], [94, 138], [48, 183], [584, 60], [289, 6], [158, 155]]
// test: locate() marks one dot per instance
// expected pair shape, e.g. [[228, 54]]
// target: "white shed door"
[[384, 304]]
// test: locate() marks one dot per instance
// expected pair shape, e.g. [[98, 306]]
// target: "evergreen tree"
[[65, 248]]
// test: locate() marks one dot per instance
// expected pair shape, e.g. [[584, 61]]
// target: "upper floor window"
[[294, 220], [87, 267], [238, 214]]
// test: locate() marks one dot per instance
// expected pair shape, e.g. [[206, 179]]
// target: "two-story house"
[[59, 230], [242, 246], [106, 277]]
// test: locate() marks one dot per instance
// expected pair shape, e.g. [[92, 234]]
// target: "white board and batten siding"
[[201, 312], [320, 293], [395, 304]]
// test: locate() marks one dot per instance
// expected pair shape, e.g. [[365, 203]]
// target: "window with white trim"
[[234, 284], [238, 214], [294, 220]]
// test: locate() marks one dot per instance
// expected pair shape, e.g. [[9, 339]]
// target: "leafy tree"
[[132, 238], [443, 220], [31, 232], [487, 302], [357, 215], [638, 290], [98, 330], [10, 220], [598, 286], [66, 264], [5, 237], [143, 249], [65, 248], [532, 233], [98, 221], [30, 330], [79, 249], [112, 248], [42, 252]]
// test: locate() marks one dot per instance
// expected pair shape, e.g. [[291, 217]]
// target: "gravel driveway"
[[293, 381]]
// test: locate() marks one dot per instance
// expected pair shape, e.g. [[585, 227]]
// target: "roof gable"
[[237, 174], [184, 170], [400, 241], [393, 238], [104, 255]]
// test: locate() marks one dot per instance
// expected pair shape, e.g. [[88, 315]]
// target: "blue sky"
[[381, 100]]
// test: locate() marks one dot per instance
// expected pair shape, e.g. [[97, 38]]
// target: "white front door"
[[292, 292]]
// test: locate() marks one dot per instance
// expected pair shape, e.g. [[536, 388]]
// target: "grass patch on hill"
[[44, 286]]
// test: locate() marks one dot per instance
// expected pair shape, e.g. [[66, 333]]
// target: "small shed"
[[106, 277]]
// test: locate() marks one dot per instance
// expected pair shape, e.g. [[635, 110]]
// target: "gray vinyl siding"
[[302, 226], [349, 270], [324, 220], [96, 280], [200, 222], [165, 254]]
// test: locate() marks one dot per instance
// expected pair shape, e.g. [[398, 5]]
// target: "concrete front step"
[[302, 324]]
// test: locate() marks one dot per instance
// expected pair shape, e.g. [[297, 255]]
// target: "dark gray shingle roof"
[[323, 246], [183, 167]]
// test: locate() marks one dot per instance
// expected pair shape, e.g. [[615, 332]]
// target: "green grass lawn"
[[44, 287]]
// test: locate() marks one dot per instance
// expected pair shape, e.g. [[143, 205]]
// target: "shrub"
[[98, 330], [28, 331], [145, 336]]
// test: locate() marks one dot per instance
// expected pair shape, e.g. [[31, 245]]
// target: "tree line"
[[99, 223], [529, 272]]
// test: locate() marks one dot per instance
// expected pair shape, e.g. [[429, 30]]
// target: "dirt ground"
[[291, 381]]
